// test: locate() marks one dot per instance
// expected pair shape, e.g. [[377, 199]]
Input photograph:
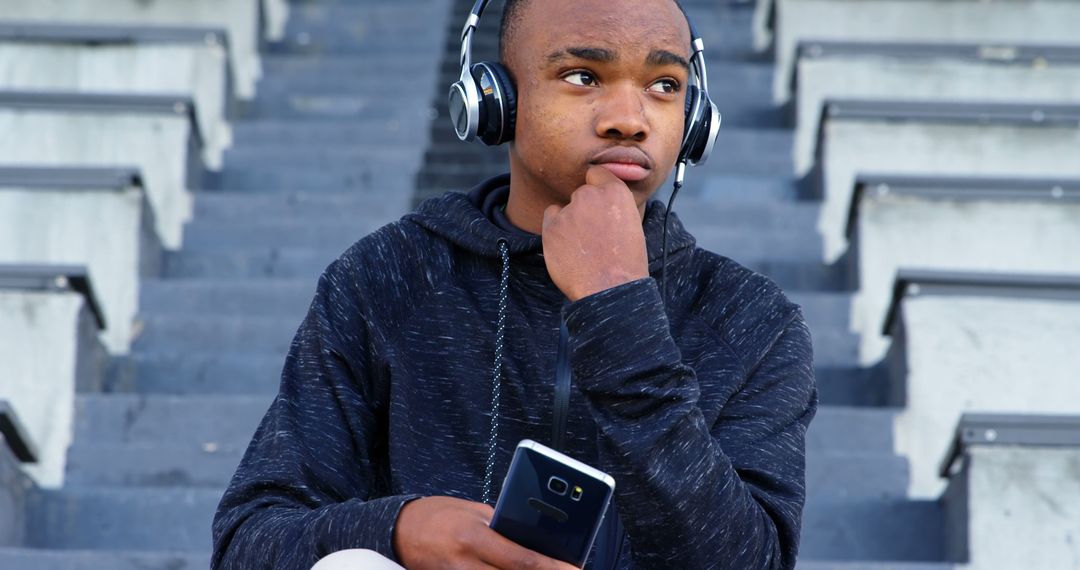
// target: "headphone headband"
[[483, 102]]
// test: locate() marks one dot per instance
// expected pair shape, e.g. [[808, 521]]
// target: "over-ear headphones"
[[483, 102]]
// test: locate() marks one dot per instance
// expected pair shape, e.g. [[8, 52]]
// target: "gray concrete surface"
[[156, 144], [275, 17], [39, 351], [98, 229], [998, 21], [943, 78], [979, 353], [196, 70], [854, 146], [763, 31], [985, 235], [1017, 507], [14, 486], [240, 17]]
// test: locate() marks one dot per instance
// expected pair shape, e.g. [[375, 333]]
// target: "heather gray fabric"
[[698, 409]]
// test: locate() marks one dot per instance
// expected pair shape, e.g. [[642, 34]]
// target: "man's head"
[[597, 81]]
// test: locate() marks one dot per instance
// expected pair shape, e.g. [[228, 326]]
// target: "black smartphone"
[[552, 503]]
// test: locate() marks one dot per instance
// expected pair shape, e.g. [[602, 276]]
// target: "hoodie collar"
[[460, 219]]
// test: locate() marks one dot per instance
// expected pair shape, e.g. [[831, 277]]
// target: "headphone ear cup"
[[691, 122], [497, 103]]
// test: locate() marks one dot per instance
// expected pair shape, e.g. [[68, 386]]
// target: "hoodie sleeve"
[[302, 489], [693, 495]]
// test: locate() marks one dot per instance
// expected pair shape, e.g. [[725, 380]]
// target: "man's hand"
[[596, 241], [444, 532]]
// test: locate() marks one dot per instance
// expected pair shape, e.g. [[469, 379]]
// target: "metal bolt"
[[991, 435], [914, 290], [180, 108], [61, 282], [1057, 192], [882, 189], [1038, 116]]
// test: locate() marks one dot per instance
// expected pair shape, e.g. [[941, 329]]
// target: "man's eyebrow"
[[590, 53], [664, 57]]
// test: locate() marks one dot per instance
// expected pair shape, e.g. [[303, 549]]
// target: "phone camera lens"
[[557, 486]]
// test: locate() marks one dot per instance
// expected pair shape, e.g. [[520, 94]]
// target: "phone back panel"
[[532, 512]]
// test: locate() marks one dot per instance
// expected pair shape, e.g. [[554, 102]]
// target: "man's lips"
[[630, 164]]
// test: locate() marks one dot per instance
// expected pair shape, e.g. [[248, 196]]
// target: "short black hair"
[[508, 25], [511, 16]]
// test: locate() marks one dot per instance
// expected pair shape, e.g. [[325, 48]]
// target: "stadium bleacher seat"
[[1002, 343], [126, 60], [50, 349], [1014, 491], [98, 218], [969, 21], [1029, 225], [240, 17], [957, 73], [937, 139], [156, 134]]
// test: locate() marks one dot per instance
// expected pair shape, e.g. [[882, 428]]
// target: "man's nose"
[[621, 114]]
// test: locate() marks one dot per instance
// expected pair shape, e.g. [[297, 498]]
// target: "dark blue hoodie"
[[698, 409]]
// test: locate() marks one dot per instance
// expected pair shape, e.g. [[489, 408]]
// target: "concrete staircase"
[[327, 153]]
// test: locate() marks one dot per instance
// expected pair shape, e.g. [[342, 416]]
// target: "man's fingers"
[[597, 175], [501, 552]]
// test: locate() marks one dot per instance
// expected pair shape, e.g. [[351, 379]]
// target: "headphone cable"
[[680, 170]]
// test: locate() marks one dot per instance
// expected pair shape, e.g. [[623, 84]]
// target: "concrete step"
[[696, 211], [273, 132], [211, 465], [405, 107], [834, 348], [282, 132], [281, 297], [196, 373], [309, 69], [312, 206], [249, 263], [305, 263], [217, 235], [781, 244], [40, 559], [851, 430], [265, 335], [263, 177], [211, 372], [873, 530], [114, 419], [232, 297], [123, 519], [339, 27], [824, 310], [847, 384], [273, 334]]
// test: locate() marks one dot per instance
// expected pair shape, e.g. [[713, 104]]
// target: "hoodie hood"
[[460, 219]]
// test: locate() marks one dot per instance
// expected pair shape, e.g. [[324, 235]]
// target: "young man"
[[698, 407]]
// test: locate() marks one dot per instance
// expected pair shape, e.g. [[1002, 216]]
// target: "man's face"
[[598, 82]]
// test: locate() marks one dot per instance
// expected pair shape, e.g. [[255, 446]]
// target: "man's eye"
[[664, 86], [583, 78]]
